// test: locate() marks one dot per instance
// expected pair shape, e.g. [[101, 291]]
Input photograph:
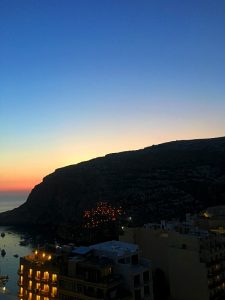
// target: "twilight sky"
[[83, 78]]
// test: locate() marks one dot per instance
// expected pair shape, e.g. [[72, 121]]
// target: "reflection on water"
[[9, 262]]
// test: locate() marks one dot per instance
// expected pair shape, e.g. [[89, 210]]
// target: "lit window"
[[38, 297], [30, 296], [38, 285], [30, 272], [38, 274], [21, 268], [46, 287], [30, 284], [54, 291], [54, 277], [46, 275]]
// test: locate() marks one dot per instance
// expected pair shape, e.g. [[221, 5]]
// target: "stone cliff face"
[[157, 182]]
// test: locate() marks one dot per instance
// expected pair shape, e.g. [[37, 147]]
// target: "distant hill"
[[158, 182]]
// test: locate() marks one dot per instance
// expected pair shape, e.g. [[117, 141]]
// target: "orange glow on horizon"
[[22, 175]]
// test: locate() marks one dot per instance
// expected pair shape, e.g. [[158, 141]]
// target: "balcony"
[[53, 295], [109, 282], [45, 293], [45, 280]]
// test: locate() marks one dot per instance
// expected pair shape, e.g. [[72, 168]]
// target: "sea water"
[[12, 199], [9, 264]]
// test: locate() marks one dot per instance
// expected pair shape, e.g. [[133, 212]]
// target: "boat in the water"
[[16, 255], [3, 252], [3, 280], [2, 234]]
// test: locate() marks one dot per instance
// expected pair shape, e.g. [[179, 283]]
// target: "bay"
[[12, 199], [9, 264]]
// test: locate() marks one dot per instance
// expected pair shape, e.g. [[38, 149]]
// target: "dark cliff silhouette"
[[158, 182]]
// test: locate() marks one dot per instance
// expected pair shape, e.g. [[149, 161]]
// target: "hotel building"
[[38, 277], [110, 270]]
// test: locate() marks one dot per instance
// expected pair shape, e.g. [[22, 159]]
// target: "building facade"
[[38, 277], [192, 260], [112, 270]]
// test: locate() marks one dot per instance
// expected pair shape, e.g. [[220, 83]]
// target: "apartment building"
[[192, 260], [111, 270], [38, 277]]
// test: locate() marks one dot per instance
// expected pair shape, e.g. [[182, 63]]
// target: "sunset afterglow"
[[81, 79]]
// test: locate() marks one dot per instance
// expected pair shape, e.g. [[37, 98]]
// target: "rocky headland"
[[158, 182]]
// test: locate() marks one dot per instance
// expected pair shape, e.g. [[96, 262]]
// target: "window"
[[54, 291], [146, 276], [46, 287], [121, 261], [38, 274], [146, 290], [136, 280], [30, 285], [134, 259], [46, 275], [21, 291], [54, 277], [137, 294], [38, 285], [30, 272]]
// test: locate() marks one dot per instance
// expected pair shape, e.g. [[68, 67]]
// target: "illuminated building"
[[38, 277], [110, 270]]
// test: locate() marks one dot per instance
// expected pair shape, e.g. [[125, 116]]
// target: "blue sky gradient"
[[80, 79]]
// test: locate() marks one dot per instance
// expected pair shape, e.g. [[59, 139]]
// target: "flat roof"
[[117, 247]]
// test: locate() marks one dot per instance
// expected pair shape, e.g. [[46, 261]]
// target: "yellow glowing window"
[[30, 296], [46, 287], [43, 255], [30, 272], [54, 291], [46, 275], [21, 291], [38, 297], [38, 285], [38, 274], [54, 277], [30, 284], [49, 257], [21, 268], [21, 280], [46, 298]]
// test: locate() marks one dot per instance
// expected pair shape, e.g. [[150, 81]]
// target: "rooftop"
[[117, 247]]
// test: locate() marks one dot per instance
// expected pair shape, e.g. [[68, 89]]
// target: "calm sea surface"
[[11, 244], [9, 263], [10, 200]]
